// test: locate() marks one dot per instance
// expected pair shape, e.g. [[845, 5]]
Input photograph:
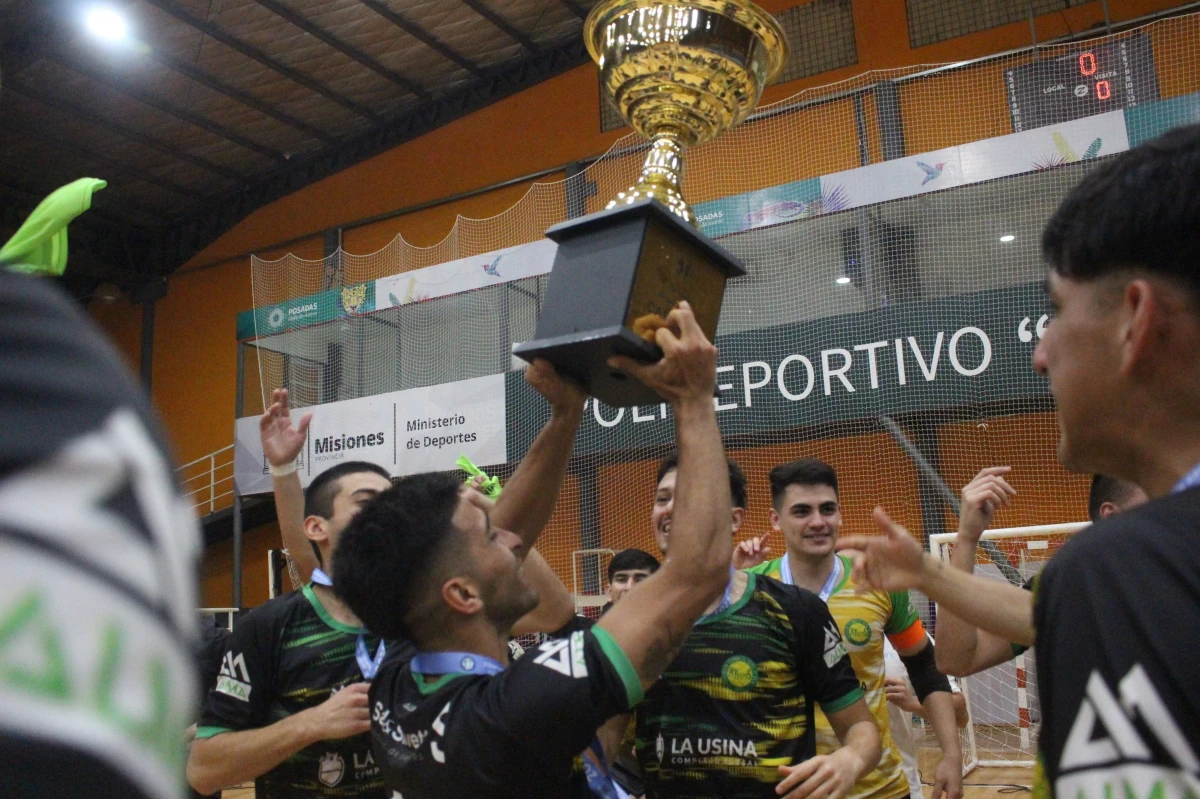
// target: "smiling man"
[[1116, 613]]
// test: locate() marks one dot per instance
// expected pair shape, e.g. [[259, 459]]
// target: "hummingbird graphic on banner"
[[931, 172], [491, 268]]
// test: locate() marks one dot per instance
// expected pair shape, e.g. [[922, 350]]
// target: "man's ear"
[[739, 516], [461, 595], [316, 529], [1141, 323], [773, 518], [1108, 509]]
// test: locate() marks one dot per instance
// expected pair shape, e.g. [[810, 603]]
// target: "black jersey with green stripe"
[[520, 733], [738, 701], [284, 657]]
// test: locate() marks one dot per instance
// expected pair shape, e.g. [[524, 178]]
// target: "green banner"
[[1149, 120], [304, 311], [939, 354], [784, 203]]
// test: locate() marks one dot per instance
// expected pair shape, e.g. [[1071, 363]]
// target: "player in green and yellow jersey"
[[804, 496]]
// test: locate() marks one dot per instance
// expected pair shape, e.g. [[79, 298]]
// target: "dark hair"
[[1107, 489], [388, 555], [628, 559], [737, 478], [318, 499], [1139, 210], [804, 472]]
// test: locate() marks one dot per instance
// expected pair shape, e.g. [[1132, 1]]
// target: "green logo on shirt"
[[740, 673], [858, 632]]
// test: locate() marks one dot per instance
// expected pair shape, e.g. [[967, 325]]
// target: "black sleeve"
[[821, 654], [245, 682], [214, 641], [576, 624], [554, 698]]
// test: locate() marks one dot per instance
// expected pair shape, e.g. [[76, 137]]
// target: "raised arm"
[[282, 443], [895, 561], [651, 630], [962, 648]]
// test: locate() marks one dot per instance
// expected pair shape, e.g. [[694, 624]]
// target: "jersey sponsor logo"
[[660, 748], [439, 727], [564, 655], [234, 680], [858, 632], [395, 730], [1104, 734], [739, 673], [364, 766], [697, 751], [835, 649], [330, 769]]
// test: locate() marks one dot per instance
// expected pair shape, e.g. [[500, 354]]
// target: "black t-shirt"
[[1117, 613], [97, 566], [284, 657], [739, 699], [519, 733]]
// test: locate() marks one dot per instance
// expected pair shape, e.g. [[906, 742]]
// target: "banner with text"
[[406, 432]]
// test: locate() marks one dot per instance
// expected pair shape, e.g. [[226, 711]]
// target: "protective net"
[[1003, 700], [890, 226]]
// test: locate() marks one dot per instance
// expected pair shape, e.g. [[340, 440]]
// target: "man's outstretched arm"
[[282, 442], [895, 561], [651, 630]]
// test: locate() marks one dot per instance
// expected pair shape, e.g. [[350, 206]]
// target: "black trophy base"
[[582, 358]]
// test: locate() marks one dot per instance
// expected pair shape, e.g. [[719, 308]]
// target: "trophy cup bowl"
[[681, 72]]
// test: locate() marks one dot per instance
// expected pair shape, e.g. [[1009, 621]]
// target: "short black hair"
[[737, 478], [318, 499], [1139, 210], [388, 555], [1107, 489], [628, 559], [804, 472]]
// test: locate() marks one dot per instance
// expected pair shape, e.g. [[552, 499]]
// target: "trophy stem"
[[661, 178]]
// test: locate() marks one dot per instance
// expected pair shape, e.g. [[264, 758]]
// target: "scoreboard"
[[1113, 75]]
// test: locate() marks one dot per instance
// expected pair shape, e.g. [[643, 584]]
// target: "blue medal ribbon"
[[599, 778], [455, 663], [366, 664], [726, 601], [321, 578], [1189, 480], [835, 576]]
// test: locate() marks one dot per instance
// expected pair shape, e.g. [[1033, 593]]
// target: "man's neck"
[[476, 637], [335, 607], [735, 591], [811, 572]]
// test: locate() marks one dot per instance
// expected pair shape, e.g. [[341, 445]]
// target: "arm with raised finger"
[[282, 442]]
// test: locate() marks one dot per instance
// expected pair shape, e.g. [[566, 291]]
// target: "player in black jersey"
[[97, 560], [292, 690], [426, 560], [1117, 611]]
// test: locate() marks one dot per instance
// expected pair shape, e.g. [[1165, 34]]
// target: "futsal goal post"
[[1002, 702]]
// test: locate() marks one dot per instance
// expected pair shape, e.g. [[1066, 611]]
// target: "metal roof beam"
[[118, 85], [76, 112], [424, 36], [575, 8], [61, 143], [254, 54], [500, 22], [345, 49], [245, 98]]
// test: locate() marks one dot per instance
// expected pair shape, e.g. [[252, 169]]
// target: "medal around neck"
[[681, 72]]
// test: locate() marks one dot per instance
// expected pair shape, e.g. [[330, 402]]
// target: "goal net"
[[890, 227], [1003, 700]]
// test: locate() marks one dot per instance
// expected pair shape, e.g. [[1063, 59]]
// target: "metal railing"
[[207, 482]]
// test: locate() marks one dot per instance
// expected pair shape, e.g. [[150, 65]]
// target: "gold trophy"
[[681, 72]]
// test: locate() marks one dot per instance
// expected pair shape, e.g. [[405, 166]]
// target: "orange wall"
[[216, 570], [544, 127]]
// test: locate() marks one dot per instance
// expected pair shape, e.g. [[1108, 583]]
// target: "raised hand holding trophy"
[[681, 72]]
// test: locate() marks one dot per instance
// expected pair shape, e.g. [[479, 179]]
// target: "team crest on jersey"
[[234, 679], [857, 632], [739, 673], [331, 769], [835, 649], [660, 748]]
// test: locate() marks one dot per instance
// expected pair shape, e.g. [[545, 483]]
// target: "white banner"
[[406, 432], [465, 274]]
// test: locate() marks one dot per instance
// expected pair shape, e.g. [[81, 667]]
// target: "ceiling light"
[[1007, 237], [107, 24], [843, 280]]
